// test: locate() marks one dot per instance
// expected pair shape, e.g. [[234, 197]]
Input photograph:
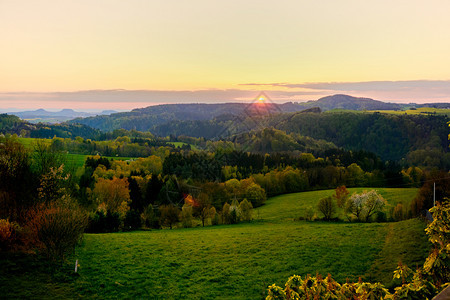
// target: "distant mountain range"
[[42, 115], [145, 119]]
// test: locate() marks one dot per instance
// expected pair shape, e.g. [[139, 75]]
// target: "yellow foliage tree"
[[113, 194]]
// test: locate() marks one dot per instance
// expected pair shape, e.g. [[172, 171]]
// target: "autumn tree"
[[113, 194], [255, 194], [226, 213], [341, 195], [17, 184], [169, 215], [246, 210]]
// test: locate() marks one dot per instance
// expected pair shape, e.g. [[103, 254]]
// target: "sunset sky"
[[111, 54]]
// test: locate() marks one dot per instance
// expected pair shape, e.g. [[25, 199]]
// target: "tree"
[[246, 210], [186, 215], [364, 205], [169, 215], [424, 199], [113, 194], [327, 207], [17, 183], [226, 213], [203, 207], [152, 190], [255, 194], [137, 201], [341, 195]]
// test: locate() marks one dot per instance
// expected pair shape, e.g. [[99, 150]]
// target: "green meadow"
[[226, 261]]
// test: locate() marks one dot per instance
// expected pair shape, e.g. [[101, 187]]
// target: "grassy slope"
[[226, 261], [292, 206], [234, 261], [419, 111], [74, 161]]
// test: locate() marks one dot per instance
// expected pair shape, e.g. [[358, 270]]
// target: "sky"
[[115, 54]]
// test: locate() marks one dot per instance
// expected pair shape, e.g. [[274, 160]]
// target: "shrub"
[[58, 229], [309, 213], [10, 235], [398, 213], [327, 207], [381, 217]]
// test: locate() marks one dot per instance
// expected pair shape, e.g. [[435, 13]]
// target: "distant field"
[[180, 144], [230, 261], [293, 206], [418, 111], [74, 161], [30, 142]]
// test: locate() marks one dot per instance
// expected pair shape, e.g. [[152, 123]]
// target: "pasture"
[[230, 261]]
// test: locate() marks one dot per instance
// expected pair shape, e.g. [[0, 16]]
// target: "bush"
[[381, 217], [58, 229], [10, 237], [327, 207], [309, 213], [398, 213]]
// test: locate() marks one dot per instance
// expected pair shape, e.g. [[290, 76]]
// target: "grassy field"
[[418, 111], [230, 261], [292, 206], [180, 144], [73, 161]]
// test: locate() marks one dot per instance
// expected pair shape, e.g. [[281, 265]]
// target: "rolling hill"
[[147, 118]]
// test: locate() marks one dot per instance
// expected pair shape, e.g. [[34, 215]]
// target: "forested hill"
[[144, 119], [350, 103], [418, 138], [10, 124]]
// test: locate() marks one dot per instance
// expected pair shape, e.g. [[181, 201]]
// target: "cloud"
[[393, 91], [138, 97], [418, 91], [369, 85]]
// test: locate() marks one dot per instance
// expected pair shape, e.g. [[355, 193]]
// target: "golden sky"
[[200, 45]]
